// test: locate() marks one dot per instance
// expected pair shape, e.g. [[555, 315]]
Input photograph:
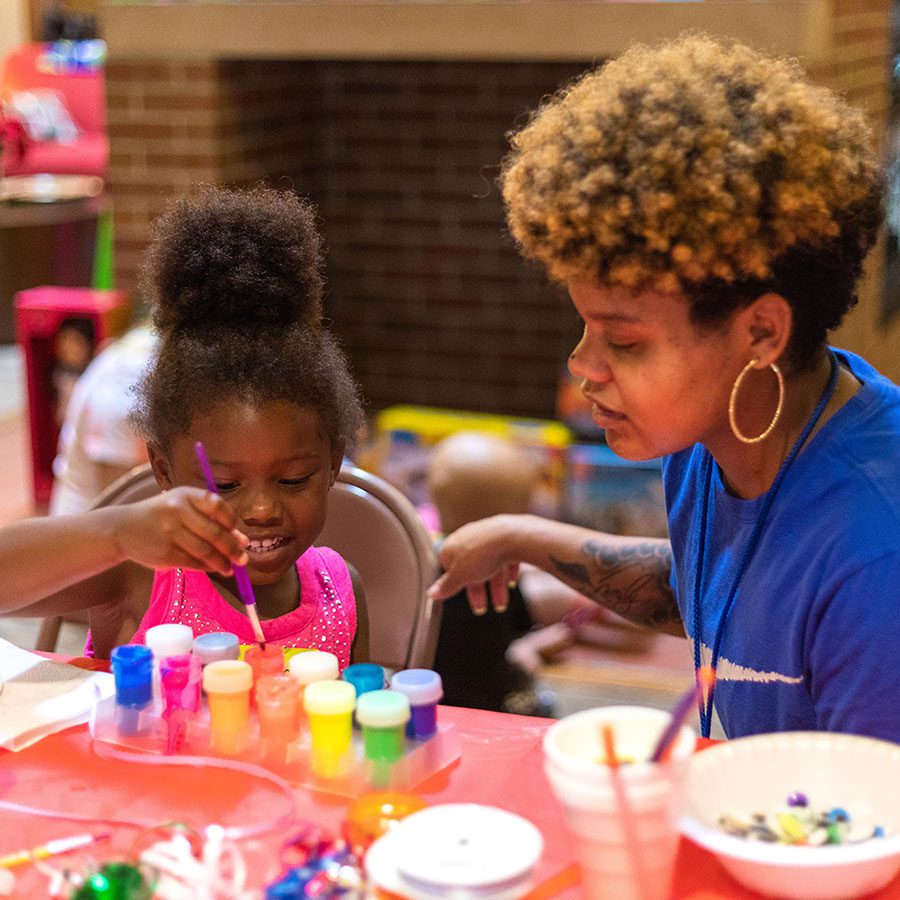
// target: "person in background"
[[709, 211], [472, 475], [489, 658], [97, 442]]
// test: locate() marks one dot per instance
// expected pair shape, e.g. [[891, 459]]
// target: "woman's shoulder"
[[877, 403], [847, 489], [860, 446]]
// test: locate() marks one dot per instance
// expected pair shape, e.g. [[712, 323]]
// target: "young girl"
[[245, 367]]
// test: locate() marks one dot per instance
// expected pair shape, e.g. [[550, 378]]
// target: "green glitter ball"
[[115, 881]]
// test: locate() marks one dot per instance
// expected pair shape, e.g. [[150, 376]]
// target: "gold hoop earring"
[[732, 421]]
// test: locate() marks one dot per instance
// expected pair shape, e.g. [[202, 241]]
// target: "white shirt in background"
[[96, 430]]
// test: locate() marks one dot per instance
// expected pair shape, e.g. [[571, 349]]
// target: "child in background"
[[489, 659], [472, 475], [245, 367]]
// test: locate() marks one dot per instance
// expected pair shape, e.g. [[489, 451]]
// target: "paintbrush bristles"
[[257, 627]]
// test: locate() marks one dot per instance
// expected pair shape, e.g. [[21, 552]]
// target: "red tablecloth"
[[501, 765]]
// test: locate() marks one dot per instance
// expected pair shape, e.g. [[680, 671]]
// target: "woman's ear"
[[769, 323], [159, 463]]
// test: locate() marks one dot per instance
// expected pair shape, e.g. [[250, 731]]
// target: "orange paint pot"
[[277, 706], [227, 684]]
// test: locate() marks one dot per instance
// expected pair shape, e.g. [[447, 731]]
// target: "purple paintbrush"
[[244, 587], [706, 677]]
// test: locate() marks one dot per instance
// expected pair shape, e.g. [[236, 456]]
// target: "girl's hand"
[[473, 555], [185, 527]]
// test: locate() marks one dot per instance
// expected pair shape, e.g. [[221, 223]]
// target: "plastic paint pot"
[[227, 684], [329, 707], [216, 645], [424, 689]]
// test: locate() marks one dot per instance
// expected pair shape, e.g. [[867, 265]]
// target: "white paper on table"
[[39, 696]]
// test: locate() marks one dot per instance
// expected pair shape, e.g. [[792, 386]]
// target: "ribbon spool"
[[462, 851]]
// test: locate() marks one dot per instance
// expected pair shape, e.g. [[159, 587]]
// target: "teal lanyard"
[[706, 706]]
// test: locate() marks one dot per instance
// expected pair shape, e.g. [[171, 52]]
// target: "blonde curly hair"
[[693, 164]]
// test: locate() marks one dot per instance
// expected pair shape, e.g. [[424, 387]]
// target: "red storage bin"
[[89, 316]]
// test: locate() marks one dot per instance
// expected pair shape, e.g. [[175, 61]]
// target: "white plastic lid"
[[216, 645], [382, 709], [329, 698], [314, 665], [169, 640], [422, 686], [227, 676], [456, 849]]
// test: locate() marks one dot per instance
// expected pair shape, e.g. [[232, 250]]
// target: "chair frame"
[[426, 625]]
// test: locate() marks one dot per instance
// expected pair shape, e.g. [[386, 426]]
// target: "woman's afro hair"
[[693, 161]]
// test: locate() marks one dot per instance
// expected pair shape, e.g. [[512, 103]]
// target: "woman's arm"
[[628, 575], [52, 559]]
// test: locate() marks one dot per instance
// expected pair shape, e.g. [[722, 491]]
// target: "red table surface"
[[501, 765]]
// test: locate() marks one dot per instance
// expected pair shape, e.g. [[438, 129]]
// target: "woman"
[[709, 212]]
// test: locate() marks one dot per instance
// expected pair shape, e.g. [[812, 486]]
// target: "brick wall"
[[861, 36], [425, 288]]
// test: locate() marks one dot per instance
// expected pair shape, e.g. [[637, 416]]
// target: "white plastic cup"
[[623, 821]]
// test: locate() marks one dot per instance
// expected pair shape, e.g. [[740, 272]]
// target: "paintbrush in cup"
[[241, 577]]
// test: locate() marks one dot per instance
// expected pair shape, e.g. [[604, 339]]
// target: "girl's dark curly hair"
[[704, 168], [235, 281]]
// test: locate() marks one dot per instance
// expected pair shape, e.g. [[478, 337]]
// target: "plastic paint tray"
[[421, 760]]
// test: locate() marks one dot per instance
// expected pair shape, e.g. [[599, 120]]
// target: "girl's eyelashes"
[[228, 486], [295, 482]]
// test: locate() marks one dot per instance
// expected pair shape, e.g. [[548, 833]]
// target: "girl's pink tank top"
[[324, 620]]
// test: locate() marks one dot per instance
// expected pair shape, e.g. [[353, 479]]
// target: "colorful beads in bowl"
[[800, 823]]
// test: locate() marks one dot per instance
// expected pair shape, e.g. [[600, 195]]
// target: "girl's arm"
[[628, 575], [59, 560]]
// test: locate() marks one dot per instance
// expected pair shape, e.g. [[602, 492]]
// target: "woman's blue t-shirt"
[[813, 638]]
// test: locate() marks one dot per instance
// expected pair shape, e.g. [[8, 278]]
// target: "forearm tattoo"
[[631, 580]]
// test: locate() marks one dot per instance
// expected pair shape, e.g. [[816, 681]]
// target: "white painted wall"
[[13, 24]]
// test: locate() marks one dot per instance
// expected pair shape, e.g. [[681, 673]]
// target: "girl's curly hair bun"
[[235, 257]]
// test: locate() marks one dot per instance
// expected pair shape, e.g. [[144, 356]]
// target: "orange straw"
[[629, 826], [609, 745]]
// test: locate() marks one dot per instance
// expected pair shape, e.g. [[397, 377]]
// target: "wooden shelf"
[[561, 30]]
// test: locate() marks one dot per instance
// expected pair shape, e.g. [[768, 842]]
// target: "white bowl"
[[756, 774]]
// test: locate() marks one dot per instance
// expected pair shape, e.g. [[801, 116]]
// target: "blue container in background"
[[608, 493]]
